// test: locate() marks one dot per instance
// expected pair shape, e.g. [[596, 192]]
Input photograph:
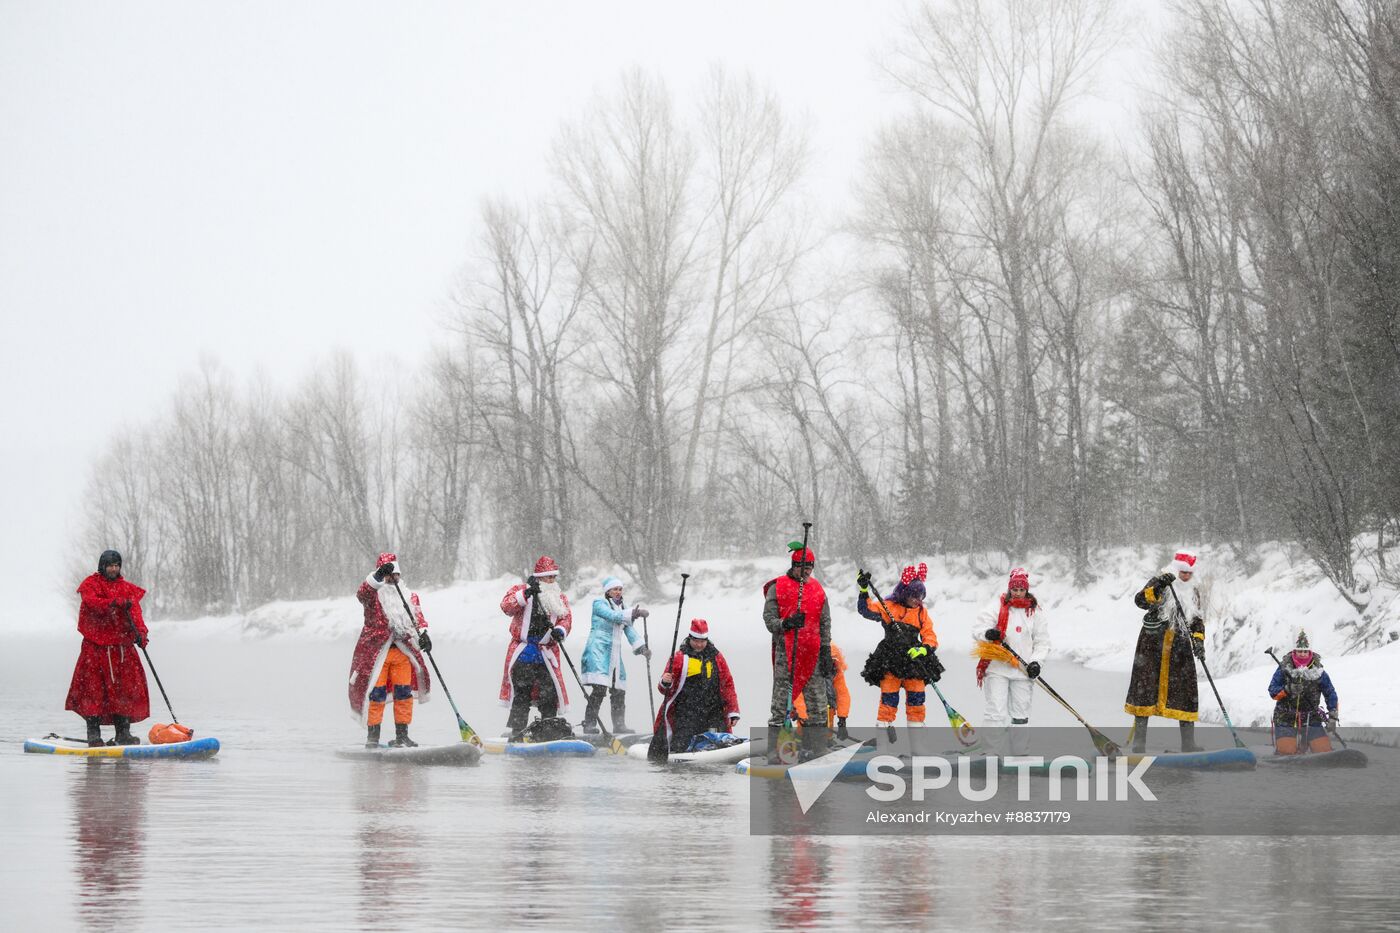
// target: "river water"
[[277, 832]]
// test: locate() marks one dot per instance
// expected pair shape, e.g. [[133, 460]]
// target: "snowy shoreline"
[[1095, 626]]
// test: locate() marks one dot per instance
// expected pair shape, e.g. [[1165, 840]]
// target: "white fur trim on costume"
[[363, 717]]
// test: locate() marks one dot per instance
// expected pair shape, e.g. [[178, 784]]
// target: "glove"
[[916, 652], [827, 664], [532, 587], [644, 651], [733, 722], [379, 575], [794, 622], [841, 732], [1033, 670], [1332, 721], [1162, 581], [993, 635], [142, 640], [665, 681], [424, 642], [559, 633], [1198, 647], [863, 580], [640, 613]]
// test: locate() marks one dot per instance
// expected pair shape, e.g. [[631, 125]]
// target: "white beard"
[[552, 599], [1189, 599], [401, 623]]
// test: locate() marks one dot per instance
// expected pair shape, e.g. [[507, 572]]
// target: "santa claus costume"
[[1163, 682], [388, 656], [699, 692], [540, 619]]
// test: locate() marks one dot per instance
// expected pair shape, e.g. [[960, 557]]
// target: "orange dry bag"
[[162, 734]]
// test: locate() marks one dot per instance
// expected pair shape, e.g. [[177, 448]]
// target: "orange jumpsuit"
[[398, 671]]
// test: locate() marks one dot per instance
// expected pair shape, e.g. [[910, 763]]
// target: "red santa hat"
[[390, 559], [699, 628], [545, 567], [1020, 579], [1183, 562]]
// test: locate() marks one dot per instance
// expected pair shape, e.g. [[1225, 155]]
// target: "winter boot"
[[815, 740], [1188, 738], [401, 739], [94, 727], [590, 712], [1139, 735], [372, 737], [618, 701], [124, 736]]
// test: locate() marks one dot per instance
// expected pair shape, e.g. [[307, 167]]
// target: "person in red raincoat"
[[540, 620], [109, 683], [810, 630], [699, 691], [388, 656]]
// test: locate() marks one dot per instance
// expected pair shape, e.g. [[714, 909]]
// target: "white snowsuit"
[[1006, 690]]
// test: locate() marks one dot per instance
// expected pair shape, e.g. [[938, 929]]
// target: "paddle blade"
[[1106, 746], [787, 743], [467, 732], [657, 752], [966, 734]]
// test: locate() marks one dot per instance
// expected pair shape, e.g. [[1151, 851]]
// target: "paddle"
[[467, 733], [1181, 614], [965, 733], [614, 745], [1106, 746], [651, 690], [659, 751], [141, 644]]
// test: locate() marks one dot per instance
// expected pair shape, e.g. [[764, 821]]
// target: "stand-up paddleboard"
[[576, 748], [760, 768], [711, 756], [975, 765], [626, 740], [1222, 759], [1337, 758], [57, 745], [458, 753]]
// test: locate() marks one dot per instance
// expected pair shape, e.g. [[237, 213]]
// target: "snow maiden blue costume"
[[603, 669]]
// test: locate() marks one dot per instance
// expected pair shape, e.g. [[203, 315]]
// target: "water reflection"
[[800, 877], [108, 813], [389, 800]]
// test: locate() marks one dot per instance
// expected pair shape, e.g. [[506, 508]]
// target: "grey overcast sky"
[[264, 182]]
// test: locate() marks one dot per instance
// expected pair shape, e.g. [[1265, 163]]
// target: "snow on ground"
[[1096, 626]]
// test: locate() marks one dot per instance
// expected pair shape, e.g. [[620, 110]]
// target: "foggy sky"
[[268, 182]]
